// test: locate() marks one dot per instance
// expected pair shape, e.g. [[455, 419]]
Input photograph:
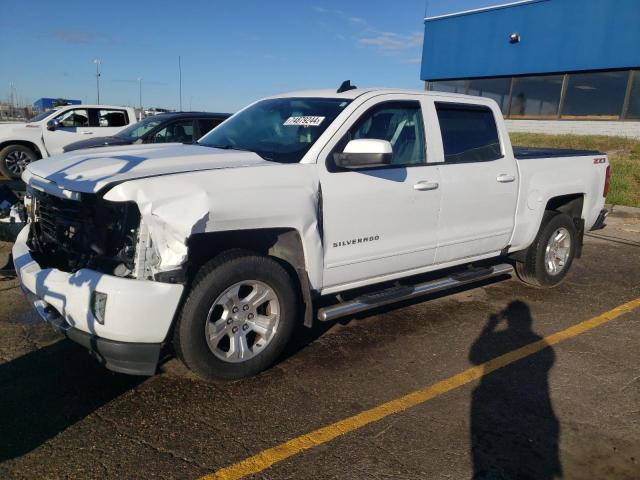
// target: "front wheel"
[[14, 160], [238, 317], [551, 254]]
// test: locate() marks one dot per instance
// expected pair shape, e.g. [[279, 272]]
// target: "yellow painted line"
[[267, 458]]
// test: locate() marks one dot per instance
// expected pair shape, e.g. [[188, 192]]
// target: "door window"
[[112, 118], [400, 123], [74, 118], [469, 133], [180, 132], [208, 124]]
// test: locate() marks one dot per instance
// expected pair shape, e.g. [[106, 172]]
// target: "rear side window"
[[207, 124], [112, 118], [469, 133]]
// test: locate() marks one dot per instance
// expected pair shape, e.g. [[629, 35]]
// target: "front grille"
[[60, 219], [86, 233]]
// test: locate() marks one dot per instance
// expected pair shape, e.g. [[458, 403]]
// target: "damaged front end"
[[85, 232]]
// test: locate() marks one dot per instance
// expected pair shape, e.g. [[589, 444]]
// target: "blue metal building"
[[43, 104], [553, 59]]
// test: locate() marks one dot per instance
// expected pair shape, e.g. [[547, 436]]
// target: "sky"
[[232, 52]]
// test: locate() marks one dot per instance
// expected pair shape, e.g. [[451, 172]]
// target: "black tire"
[[25, 152], [212, 280], [532, 270]]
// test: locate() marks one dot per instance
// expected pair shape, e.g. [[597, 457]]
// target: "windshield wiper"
[[225, 147]]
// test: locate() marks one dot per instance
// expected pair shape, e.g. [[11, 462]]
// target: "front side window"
[[279, 130], [400, 123], [469, 133], [176, 132], [112, 118], [73, 118]]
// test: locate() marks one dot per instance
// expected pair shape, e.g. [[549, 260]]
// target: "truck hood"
[[98, 142], [89, 171]]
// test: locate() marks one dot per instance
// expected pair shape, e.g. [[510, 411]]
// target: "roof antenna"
[[346, 86]]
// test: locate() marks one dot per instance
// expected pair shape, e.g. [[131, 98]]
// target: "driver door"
[[381, 221], [72, 125]]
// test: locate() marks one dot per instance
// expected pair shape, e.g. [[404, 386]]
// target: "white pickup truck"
[[283, 213], [49, 132]]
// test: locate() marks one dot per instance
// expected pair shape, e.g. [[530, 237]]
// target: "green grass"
[[624, 155]]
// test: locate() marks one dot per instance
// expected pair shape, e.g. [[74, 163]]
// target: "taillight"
[[607, 181]]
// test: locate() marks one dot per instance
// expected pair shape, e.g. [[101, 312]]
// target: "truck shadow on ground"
[[48, 390], [514, 429]]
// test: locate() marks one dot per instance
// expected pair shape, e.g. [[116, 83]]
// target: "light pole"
[[140, 96], [97, 62], [180, 80]]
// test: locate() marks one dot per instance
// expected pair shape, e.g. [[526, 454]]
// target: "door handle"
[[424, 185], [86, 133], [504, 178]]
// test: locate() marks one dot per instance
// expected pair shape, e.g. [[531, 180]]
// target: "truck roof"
[[357, 92], [87, 105]]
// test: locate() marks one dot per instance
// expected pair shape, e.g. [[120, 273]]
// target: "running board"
[[400, 293]]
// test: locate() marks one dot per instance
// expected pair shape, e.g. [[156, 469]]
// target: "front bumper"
[[137, 317]]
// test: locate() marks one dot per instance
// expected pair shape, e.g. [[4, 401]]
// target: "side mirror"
[[365, 153], [52, 125]]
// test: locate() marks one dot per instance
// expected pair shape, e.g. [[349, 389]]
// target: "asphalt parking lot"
[[569, 409]]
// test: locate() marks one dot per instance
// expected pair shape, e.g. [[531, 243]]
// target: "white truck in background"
[[284, 213], [49, 132]]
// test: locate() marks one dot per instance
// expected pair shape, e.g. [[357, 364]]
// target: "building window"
[[451, 86], [496, 88], [634, 100], [536, 97], [599, 95]]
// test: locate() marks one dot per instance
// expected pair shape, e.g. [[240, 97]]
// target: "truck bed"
[[526, 153]]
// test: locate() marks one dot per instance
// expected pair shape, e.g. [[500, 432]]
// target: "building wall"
[[556, 36], [581, 127]]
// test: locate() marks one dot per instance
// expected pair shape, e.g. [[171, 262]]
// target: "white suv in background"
[[48, 133]]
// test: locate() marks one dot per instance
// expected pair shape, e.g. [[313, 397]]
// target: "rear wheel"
[[14, 160], [549, 258], [237, 318]]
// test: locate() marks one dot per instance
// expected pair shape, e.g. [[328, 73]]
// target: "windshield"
[[41, 116], [280, 130], [137, 130]]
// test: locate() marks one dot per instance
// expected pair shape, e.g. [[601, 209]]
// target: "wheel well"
[[283, 244], [24, 143], [571, 205]]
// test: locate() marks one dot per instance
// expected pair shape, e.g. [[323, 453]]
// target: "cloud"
[[366, 35], [390, 41], [413, 61], [79, 37]]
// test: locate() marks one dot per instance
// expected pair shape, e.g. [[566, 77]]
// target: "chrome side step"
[[400, 293]]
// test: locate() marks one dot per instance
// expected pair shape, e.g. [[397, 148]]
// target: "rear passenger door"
[[479, 180]]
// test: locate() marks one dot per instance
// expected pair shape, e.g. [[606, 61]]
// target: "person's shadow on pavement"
[[514, 430]]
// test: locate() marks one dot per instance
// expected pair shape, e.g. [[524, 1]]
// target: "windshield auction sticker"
[[304, 121]]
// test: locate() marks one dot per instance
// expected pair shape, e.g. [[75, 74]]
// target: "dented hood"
[[88, 171]]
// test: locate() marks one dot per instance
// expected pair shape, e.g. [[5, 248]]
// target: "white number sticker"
[[304, 121]]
